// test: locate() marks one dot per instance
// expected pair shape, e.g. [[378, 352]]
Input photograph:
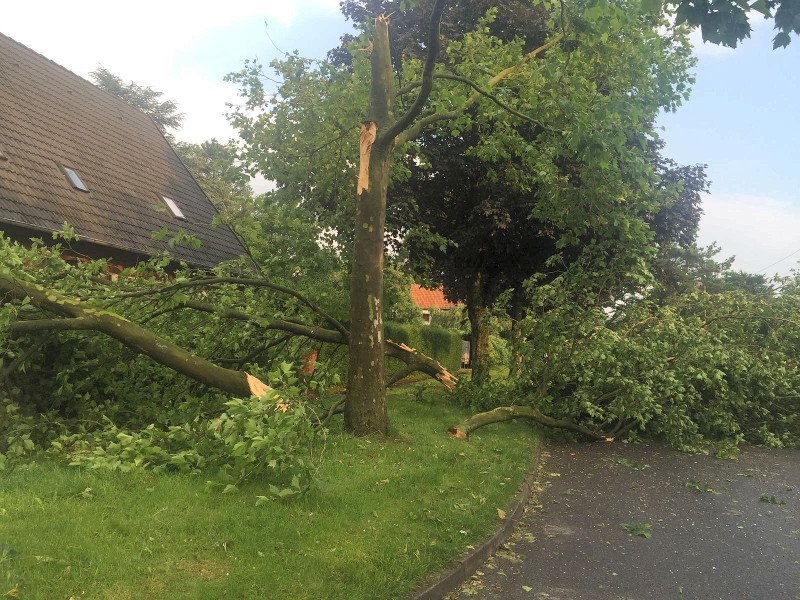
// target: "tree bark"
[[479, 330], [507, 413], [365, 410]]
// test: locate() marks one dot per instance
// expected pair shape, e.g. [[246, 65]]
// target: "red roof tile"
[[427, 299]]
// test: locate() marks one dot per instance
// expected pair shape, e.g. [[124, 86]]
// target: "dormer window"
[[75, 180], [173, 207]]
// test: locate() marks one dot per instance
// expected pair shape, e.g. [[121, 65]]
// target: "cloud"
[[136, 40], [759, 230], [203, 103]]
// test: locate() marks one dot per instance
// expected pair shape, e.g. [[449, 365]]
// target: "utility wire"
[[778, 261]]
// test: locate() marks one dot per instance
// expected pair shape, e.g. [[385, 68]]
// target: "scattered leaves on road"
[[703, 488], [640, 529], [770, 499], [631, 465]]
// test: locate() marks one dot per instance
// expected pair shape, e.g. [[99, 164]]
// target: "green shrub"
[[452, 318], [442, 344], [482, 397], [499, 351]]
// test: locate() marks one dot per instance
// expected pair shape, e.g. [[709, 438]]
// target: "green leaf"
[[700, 487], [652, 6], [640, 529], [781, 40], [760, 6]]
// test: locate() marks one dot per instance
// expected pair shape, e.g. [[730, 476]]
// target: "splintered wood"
[[257, 387], [367, 137]]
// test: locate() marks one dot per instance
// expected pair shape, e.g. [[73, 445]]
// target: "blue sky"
[[742, 119]]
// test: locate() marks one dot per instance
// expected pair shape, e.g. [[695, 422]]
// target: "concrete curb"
[[445, 582]]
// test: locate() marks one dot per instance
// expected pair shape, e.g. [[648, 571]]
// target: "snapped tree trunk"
[[479, 330], [365, 409]]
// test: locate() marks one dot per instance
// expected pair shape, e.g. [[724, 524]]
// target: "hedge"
[[437, 342]]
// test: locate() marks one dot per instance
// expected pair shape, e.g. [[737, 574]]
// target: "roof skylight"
[[75, 180], [173, 207]]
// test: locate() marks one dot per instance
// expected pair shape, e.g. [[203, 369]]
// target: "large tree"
[[502, 220], [578, 97]]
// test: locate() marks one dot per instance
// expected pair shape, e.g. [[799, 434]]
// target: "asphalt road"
[[719, 529]]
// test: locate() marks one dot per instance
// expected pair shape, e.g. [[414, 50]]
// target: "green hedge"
[[442, 344], [437, 342]]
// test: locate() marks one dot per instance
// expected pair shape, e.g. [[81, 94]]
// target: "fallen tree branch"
[[414, 359], [336, 408], [403, 373], [241, 281], [421, 362], [79, 315], [508, 413]]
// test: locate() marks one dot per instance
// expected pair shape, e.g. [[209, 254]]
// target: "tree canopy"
[[163, 112]]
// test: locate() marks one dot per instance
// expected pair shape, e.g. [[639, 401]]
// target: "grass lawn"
[[388, 514]]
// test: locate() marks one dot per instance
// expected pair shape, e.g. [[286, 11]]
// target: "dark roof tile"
[[51, 118]]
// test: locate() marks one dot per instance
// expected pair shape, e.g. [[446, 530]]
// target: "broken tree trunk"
[[508, 413], [365, 410]]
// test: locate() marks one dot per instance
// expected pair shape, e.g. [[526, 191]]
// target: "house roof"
[[427, 299], [51, 119]]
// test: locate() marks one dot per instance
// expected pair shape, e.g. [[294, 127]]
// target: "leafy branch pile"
[[703, 369], [98, 403], [254, 439]]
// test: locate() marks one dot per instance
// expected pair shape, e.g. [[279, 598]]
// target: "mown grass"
[[388, 514]]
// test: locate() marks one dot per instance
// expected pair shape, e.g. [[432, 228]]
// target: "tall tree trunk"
[[517, 314], [479, 330], [365, 410]]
